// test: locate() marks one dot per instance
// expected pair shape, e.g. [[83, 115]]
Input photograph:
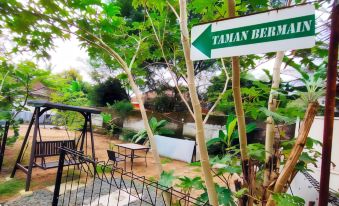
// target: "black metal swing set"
[[41, 150]]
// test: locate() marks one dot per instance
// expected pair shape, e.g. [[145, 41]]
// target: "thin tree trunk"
[[200, 133], [138, 95], [272, 106], [296, 151], [246, 164]]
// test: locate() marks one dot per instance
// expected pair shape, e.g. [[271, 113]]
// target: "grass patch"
[[166, 160], [11, 187], [152, 179], [195, 164], [101, 169]]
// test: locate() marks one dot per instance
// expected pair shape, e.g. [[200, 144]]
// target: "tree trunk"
[[296, 151], [246, 164], [200, 133], [270, 134], [154, 148], [127, 70]]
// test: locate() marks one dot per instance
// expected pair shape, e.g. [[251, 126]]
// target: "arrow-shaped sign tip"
[[204, 42]]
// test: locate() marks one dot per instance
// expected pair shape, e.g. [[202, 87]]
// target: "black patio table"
[[134, 147]]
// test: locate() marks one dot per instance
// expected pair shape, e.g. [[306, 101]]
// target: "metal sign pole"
[[329, 107]]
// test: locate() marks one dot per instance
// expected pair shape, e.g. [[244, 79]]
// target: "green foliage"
[[11, 187], [73, 93], [164, 103], [106, 117], [187, 184], [282, 199], [256, 151], [225, 196], [240, 193], [227, 136], [122, 108], [127, 135], [34, 25], [158, 128], [16, 87], [107, 92], [227, 164], [309, 155], [167, 178]]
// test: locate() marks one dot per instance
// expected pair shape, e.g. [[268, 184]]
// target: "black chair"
[[116, 157]]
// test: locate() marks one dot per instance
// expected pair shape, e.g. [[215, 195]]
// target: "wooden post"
[[3, 143], [329, 106], [31, 160], [91, 133], [18, 160], [84, 131]]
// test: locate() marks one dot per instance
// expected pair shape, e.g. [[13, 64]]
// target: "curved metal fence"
[[90, 182]]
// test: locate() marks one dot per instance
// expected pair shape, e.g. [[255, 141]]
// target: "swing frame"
[[42, 149], [5, 126]]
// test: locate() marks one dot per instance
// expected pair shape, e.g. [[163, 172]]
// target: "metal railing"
[[97, 183]]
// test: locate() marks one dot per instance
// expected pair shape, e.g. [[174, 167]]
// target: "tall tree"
[[37, 24]]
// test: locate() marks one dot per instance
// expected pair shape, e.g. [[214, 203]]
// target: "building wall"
[[316, 132]]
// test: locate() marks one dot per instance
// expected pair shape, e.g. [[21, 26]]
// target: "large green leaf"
[[250, 127], [282, 199], [230, 128], [161, 123], [213, 141], [153, 123]]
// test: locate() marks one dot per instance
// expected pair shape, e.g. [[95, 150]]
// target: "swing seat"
[[45, 149]]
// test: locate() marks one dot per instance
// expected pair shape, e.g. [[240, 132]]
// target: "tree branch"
[[169, 66], [221, 94]]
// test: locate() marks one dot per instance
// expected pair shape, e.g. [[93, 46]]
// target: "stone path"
[[98, 193]]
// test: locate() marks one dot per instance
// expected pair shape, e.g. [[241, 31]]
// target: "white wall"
[[316, 132], [210, 130], [97, 120]]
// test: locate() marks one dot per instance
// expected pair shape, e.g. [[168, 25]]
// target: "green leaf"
[[164, 131], [225, 196], [106, 118], [240, 193], [213, 141], [257, 151], [111, 10], [250, 127], [167, 178], [230, 127], [153, 123], [282, 199]]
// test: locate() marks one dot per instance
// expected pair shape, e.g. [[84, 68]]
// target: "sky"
[[68, 54]]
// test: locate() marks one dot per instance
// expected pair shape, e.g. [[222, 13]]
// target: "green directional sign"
[[261, 33]]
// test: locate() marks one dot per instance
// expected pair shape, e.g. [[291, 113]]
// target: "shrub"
[[164, 103], [122, 108], [108, 91], [127, 135]]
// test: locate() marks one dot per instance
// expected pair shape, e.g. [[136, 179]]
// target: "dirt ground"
[[43, 178]]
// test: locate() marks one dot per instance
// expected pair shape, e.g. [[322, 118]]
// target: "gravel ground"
[[101, 194]]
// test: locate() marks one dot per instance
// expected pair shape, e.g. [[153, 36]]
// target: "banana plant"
[[226, 137], [157, 127]]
